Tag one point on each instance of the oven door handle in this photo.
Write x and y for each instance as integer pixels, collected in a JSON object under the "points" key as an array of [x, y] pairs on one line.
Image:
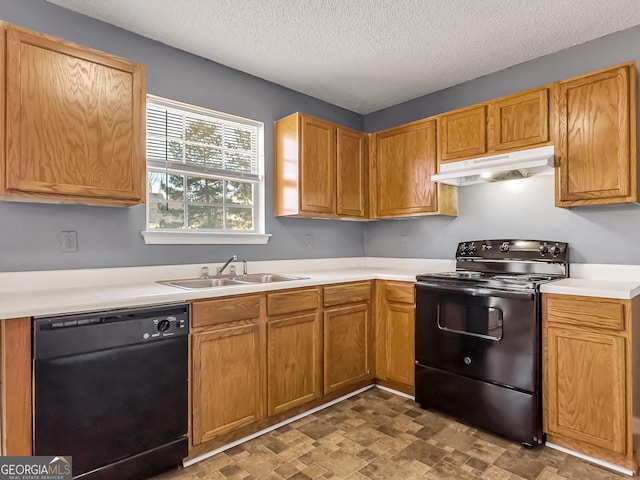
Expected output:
{"points": [[477, 291]]}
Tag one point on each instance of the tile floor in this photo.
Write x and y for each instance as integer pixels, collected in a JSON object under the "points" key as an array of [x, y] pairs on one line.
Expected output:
{"points": [[380, 436]]}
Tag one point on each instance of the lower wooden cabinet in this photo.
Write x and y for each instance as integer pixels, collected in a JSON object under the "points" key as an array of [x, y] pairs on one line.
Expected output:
{"points": [[294, 352], [228, 367], [395, 335], [347, 335], [587, 383]]}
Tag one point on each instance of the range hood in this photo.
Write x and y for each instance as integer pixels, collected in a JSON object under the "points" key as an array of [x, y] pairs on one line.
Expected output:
{"points": [[508, 166]]}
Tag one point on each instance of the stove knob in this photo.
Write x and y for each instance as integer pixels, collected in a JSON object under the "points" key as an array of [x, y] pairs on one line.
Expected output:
{"points": [[473, 248], [555, 250], [543, 249], [163, 325], [464, 249], [504, 247]]}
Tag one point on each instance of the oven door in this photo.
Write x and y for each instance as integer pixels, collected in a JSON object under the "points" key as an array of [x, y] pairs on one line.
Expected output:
{"points": [[483, 333]]}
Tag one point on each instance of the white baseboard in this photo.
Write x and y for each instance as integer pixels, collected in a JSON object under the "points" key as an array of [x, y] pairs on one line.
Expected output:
{"points": [[274, 427], [597, 461], [396, 392]]}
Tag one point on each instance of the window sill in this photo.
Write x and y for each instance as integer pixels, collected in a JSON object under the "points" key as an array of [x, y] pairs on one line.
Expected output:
{"points": [[159, 237]]}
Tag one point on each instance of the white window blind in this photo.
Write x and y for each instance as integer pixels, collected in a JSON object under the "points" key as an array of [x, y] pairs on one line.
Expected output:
{"points": [[205, 170]]}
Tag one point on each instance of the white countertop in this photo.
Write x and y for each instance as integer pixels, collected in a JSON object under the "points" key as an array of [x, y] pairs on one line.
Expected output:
{"points": [[593, 288], [26, 294]]}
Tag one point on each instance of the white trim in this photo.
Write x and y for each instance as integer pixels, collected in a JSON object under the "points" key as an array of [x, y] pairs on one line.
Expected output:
{"points": [[396, 392], [164, 237], [602, 463], [274, 427]]}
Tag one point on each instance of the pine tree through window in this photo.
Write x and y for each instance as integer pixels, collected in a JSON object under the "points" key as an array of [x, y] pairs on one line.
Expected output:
{"points": [[204, 170]]}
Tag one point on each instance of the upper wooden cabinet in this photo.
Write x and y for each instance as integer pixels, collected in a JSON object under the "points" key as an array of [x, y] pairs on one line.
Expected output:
{"points": [[320, 169], [403, 162], [463, 133], [596, 138], [75, 117], [519, 121], [352, 173]]}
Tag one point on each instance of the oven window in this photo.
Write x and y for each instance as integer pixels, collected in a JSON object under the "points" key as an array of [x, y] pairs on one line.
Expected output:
{"points": [[456, 315]]}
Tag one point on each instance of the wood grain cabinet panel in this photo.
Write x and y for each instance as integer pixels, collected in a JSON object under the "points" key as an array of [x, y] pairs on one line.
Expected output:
{"points": [[463, 133], [519, 121], [294, 362], [395, 327], [352, 173], [347, 359], [16, 400], [74, 123], [587, 375], [405, 159], [596, 138], [587, 387], [320, 169], [317, 165], [290, 301], [227, 379]]}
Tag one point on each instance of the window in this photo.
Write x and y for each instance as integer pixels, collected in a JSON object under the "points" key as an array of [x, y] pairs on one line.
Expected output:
{"points": [[205, 180]]}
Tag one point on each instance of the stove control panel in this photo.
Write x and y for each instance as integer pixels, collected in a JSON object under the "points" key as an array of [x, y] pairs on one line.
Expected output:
{"points": [[538, 250]]}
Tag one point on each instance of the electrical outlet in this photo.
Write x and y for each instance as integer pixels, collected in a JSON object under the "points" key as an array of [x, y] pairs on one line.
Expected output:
{"points": [[404, 241], [308, 240], [69, 241]]}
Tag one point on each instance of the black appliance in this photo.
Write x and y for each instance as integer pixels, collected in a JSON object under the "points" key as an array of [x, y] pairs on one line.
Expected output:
{"points": [[478, 331], [110, 390]]}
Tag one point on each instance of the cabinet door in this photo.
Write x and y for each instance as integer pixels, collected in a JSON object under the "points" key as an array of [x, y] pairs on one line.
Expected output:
{"points": [[293, 362], [227, 381], [519, 121], [595, 144], [463, 133], [347, 332], [399, 339], [352, 173], [585, 387], [318, 165], [75, 118], [405, 161]]}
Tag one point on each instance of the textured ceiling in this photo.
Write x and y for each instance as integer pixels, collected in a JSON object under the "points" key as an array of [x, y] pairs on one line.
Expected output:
{"points": [[366, 55]]}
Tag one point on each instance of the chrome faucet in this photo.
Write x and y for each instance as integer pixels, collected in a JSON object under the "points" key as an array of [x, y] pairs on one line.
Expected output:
{"points": [[219, 270], [244, 267], [204, 274]]}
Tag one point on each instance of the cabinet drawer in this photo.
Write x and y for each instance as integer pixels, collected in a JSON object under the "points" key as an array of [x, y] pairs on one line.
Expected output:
{"points": [[223, 310], [399, 292], [587, 312], [347, 293], [292, 301]]}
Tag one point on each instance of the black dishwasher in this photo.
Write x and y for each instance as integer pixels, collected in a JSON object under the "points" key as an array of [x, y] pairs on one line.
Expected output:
{"points": [[110, 390]]}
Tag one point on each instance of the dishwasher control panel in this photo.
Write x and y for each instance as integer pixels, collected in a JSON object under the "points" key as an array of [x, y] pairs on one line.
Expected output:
{"points": [[104, 330]]}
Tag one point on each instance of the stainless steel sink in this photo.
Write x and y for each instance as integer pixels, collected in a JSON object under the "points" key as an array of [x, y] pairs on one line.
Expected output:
{"points": [[267, 278], [252, 278], [196, 283]]}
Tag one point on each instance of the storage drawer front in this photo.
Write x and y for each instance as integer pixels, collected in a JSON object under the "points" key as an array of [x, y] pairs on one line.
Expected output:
{"points": [[223, 310], [347, 293], [585, 312], [399, 292], [292, 301]]}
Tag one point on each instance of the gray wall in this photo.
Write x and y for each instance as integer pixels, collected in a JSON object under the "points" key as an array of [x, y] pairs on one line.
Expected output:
{"points": [[110, 237], [524, 208]]}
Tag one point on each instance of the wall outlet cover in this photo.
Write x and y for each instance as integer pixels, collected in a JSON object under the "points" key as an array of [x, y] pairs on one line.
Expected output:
{"points": [[69, 241]]}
